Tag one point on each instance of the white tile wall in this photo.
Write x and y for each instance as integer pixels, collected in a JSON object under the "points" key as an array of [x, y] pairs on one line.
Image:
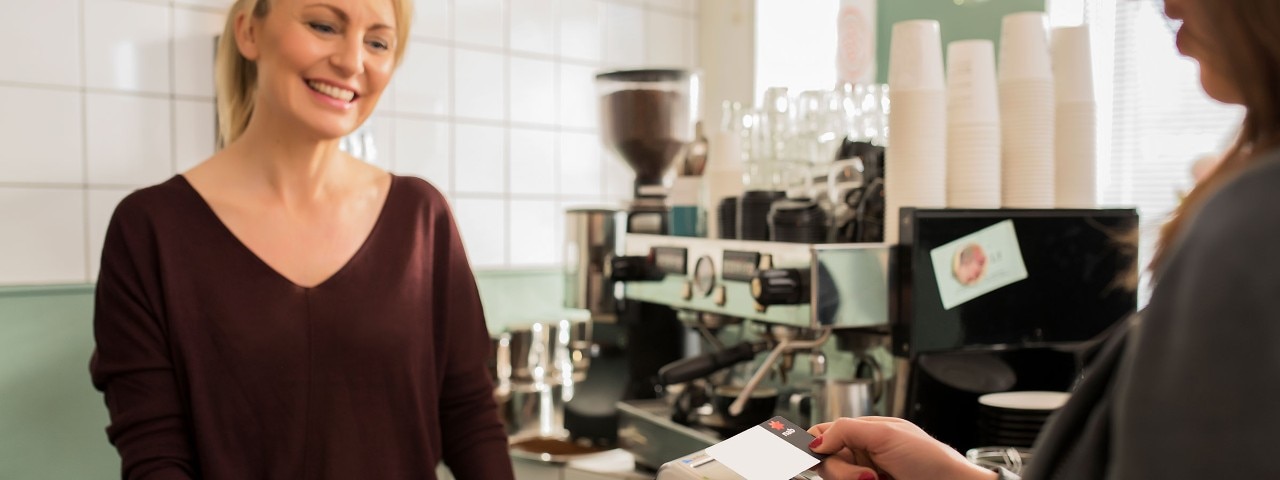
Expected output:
{"points": [[479, 163], [480, 22], [422, 82], [483, 223], [624, 25], [494, 104], [431, 19], [532, 90], [193, 34], [51, 24], [127, 45], [534, 26], [44, 235], [533, 162], [479, 82], [45, 138], [129, 139], [194, 130], [533, 224], [422, 148], [580, 32]]}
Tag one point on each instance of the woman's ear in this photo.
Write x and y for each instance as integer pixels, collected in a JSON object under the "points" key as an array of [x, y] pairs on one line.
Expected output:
{"points": [[247, 36]]}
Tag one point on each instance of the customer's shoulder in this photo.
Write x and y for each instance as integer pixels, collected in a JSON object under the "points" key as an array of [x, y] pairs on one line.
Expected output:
{"points": [[1245, 208]]}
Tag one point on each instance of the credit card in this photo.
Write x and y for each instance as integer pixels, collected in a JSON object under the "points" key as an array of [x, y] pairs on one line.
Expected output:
{"points": [[774, 450]]}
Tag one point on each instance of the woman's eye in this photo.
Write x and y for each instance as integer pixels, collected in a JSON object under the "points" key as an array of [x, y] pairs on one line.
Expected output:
{"points": [[379, 45], [322, 28]]}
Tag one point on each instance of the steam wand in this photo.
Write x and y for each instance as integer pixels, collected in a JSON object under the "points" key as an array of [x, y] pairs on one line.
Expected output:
{"points": [[785, 345]]}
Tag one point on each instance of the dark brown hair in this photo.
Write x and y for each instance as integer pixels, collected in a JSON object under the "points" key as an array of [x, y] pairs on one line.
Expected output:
{"points": [[1244, 38]]}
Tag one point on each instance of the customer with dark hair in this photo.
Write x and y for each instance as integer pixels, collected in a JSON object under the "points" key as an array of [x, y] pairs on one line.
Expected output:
{"points": [[1189, 388]]}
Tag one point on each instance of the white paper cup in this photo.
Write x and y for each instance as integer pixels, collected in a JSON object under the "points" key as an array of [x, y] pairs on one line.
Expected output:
{"points": [[971, 81], [1072, 64], [915, 56], [1024, 47]]}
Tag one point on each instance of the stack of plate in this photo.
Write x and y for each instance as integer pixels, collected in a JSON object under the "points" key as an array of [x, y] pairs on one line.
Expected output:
{"points": [[1014, 419]]}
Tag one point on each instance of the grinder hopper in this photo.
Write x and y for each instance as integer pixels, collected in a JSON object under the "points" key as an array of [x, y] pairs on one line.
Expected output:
{"points": [[647, 117]]}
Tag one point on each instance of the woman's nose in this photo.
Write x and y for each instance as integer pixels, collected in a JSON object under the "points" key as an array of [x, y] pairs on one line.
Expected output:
{"points": [[349, 57]]}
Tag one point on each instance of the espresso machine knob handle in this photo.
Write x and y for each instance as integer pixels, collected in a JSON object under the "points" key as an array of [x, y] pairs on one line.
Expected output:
{"points": [[692, 368], [780, 286], [631, 269]]}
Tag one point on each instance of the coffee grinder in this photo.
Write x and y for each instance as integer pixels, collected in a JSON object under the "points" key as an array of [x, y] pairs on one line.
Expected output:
{"points": [[647, 118]]}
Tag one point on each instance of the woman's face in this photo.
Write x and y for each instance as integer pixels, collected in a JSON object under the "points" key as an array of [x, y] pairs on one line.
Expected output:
{"points": [[322, 64], [1194, 42]]}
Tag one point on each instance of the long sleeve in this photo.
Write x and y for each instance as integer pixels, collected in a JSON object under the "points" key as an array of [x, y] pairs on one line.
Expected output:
{"points": [[475, 443], [131, 364], [1198, 397]]}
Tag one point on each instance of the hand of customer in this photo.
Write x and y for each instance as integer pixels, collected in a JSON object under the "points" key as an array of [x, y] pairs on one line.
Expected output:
{"points": [[862, 446]]}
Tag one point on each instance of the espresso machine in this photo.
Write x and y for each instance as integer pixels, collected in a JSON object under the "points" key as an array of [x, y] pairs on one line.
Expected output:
{"points": [[802, 329]]}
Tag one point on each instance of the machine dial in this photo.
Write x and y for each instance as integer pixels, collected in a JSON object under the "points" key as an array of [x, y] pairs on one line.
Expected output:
{"points": [[780, 286], [704, 276]]}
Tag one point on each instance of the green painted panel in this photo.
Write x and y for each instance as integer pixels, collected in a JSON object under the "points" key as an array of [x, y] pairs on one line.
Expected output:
{"points": [[960, 20], [51, 418]]}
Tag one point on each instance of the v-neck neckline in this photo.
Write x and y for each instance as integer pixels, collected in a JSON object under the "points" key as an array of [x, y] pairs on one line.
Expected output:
{"points": [[347, 265]]}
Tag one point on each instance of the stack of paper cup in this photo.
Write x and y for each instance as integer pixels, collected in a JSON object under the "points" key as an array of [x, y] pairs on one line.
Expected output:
{"points": [[1075, 137], [1026, 112], [973, 126], [916, 160]]}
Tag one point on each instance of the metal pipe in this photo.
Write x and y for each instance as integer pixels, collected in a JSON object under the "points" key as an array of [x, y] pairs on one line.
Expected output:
{"points": [[783, 346]]}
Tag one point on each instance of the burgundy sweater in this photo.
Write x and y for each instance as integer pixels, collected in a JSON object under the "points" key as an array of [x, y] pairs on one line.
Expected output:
{"points": [[214, 366]]}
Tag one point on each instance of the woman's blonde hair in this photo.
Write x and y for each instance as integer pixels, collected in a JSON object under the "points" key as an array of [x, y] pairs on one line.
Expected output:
{"points": [[236, 77]]}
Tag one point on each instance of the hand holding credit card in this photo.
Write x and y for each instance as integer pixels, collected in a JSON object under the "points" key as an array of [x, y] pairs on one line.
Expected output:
{"points": [[774, 450]]}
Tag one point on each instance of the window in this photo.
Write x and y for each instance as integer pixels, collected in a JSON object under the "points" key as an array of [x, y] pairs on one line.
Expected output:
{"points": [[1154, 121]]}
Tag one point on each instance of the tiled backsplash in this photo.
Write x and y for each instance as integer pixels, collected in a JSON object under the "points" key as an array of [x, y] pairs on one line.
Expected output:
{"points": [[494, 104]]}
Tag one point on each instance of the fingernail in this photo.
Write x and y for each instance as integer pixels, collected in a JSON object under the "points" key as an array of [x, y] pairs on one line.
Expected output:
{"points": [[867, 476], [818, 441]]}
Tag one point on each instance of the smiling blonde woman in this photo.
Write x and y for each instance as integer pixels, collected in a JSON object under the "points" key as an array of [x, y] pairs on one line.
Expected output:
{"points": [[283, 310]]}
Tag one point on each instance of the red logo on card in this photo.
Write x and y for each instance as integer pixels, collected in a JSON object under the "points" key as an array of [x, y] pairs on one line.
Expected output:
{"points": [[776, 425]]}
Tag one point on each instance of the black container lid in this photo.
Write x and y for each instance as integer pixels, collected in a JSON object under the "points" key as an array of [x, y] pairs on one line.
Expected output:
{"points": [[645, 75]]}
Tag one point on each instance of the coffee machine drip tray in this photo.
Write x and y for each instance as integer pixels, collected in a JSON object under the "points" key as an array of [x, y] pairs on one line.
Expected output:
{"points": [[794, 284]]}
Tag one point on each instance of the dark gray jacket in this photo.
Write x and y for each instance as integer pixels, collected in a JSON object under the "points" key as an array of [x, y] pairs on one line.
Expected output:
{"points": [[1190, 388]]}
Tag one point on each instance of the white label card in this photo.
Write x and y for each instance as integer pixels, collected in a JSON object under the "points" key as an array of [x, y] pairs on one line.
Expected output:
{"points": [[977, 264]]}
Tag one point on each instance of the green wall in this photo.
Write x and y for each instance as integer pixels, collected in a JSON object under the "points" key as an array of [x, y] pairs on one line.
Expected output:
{"points": [[51, 419], [969, 19]]}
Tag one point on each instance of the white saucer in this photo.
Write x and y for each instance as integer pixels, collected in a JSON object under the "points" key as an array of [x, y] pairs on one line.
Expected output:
{"points": [[1025, 400]]}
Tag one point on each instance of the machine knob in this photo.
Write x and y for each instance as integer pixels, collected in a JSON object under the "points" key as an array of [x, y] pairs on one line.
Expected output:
{"points": [[780, 286], [631, 269]]}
